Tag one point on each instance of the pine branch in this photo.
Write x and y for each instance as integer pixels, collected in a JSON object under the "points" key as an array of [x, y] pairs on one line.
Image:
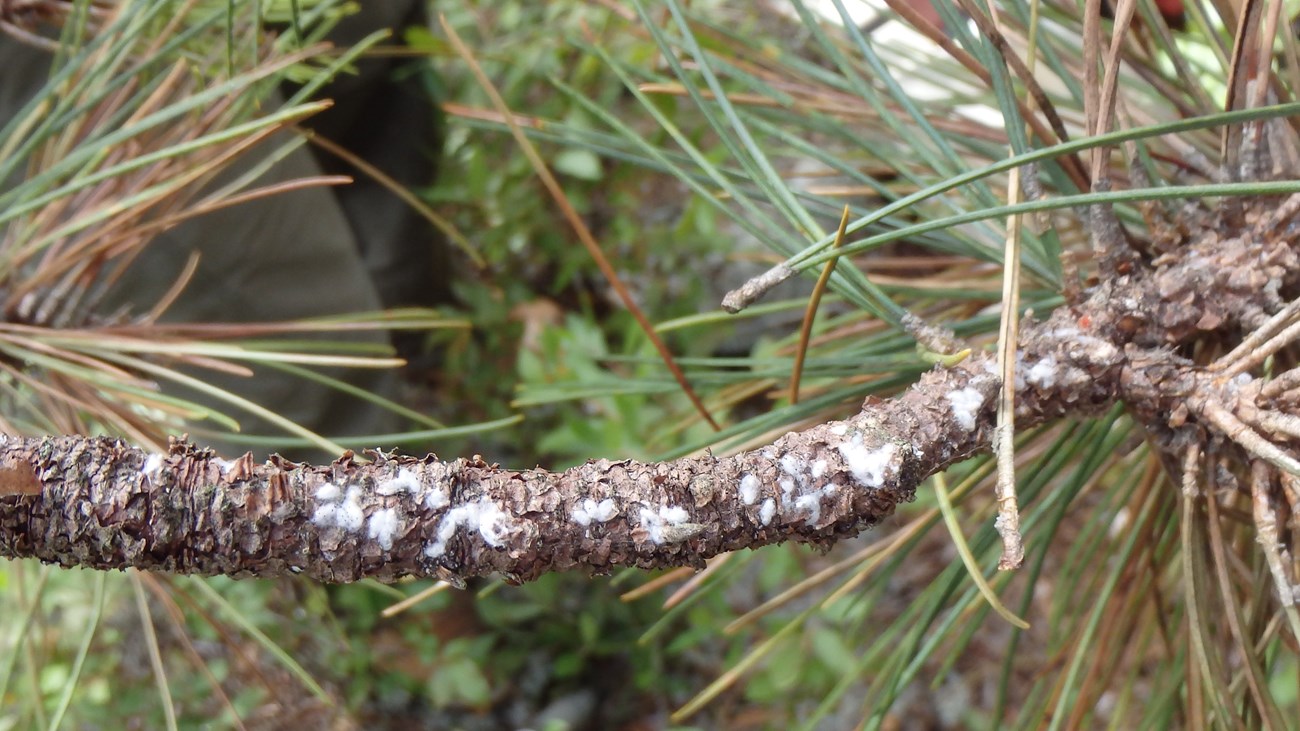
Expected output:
{"points": [[104, 505], [97, 503]]}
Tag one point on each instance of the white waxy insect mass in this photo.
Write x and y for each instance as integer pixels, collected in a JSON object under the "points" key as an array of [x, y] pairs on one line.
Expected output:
{"points": [[591, 511], [384, 525], [868, 466], [152, 468], [350, 516], [966, 404], [337, 511], [660, 524], [328, 493], [484, 516], [404, 481]]}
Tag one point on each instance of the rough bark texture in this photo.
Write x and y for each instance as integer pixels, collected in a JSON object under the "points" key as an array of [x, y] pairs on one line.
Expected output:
{"points": [[100, 504], [104, 505]]}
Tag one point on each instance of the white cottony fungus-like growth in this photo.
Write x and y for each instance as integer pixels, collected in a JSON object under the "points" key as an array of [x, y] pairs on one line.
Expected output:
{"points": [[674, 515], [591, 511], [152, 468], [326, 515], [767, 512], [484, 516], [1097, 348], [1043, 373], [351, 517], [868, 466], [446, 529], [384, 525], [966, 405], [790, 465], [404, 481], [436, 498], [749, 489], [810, 504], [668, 525], [335, 511], [819, 468]]}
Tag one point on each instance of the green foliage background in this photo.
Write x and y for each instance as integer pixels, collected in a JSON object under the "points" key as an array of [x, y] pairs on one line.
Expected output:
{"points": [[696, 139]]}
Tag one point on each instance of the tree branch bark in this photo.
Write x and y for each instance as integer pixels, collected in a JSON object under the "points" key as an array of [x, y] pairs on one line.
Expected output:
{"points": [[100, 504]]}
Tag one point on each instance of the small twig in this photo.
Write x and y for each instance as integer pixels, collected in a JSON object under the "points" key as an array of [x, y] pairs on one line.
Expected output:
{"points": [[1266, 533], [1280, 385], [1232, 616], [1291, 491], [1280, 331], [1109, 244], [1008, 520], [1245, 56], [1191, 471], [749, 292], [935, 339], [1259, 355], [1249, 439], [1280, 216], [1276, 422]]}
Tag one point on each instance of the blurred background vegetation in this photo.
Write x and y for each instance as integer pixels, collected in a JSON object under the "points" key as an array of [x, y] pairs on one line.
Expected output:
{"points": [[688, 194]]}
